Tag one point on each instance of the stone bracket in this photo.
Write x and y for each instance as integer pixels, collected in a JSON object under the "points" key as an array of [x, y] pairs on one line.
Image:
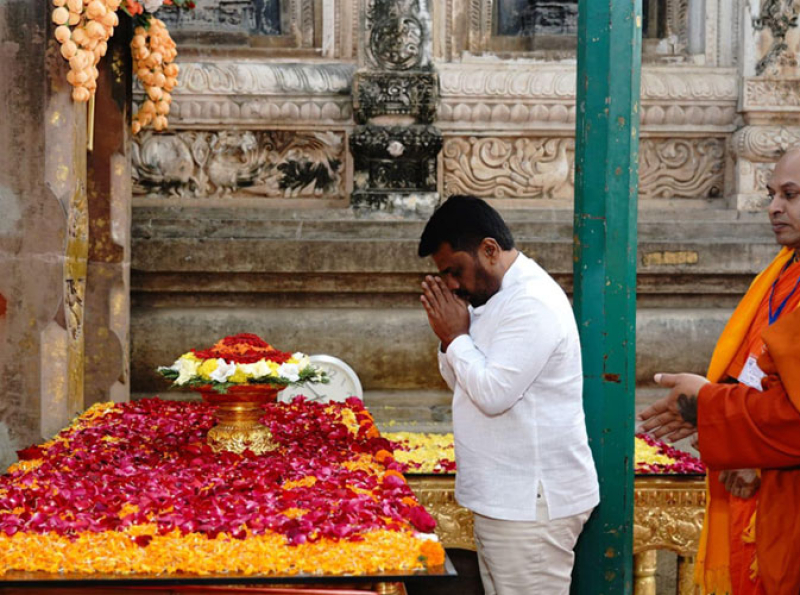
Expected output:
{"points": [[413, 94]]}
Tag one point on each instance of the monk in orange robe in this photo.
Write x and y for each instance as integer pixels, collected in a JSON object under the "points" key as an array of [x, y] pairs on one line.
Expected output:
{"points": [[747, 415]]}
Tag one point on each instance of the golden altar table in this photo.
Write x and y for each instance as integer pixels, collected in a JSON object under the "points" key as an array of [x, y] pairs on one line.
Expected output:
{"points": [[668, 514]]}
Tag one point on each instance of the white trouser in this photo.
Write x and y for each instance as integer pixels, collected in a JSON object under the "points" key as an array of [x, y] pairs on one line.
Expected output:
{"points": [[528, 557]]}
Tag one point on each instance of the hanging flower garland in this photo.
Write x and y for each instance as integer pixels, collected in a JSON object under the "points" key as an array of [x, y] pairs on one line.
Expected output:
{"points": [[83, 28]]}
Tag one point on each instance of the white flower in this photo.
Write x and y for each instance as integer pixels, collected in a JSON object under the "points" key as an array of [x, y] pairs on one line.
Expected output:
{"points": [[289, 371], [301, 359], [224, 370], [426, 536], [152, 5], [187, 369], [260, 369]]}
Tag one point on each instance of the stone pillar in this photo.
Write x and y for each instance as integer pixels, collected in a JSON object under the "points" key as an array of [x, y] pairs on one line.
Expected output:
{"points": [[43, 232], [395, 95], [769, 99], [63, 248], [109, 207]]}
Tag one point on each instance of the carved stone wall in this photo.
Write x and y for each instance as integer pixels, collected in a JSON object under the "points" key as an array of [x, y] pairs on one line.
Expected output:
{"points": [[508, 131], [769, 98], [277, 163]]}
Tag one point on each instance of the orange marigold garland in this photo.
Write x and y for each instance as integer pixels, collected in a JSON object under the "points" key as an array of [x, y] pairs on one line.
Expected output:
{"points": [[154, 54], [83, 28]]}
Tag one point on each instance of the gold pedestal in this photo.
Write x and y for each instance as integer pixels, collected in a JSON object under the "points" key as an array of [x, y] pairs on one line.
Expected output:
{"points": [[238, 412], [667, 514]]}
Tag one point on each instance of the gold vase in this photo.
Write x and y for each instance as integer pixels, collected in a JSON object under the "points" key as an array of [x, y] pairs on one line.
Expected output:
{"points": [[238, 411]]}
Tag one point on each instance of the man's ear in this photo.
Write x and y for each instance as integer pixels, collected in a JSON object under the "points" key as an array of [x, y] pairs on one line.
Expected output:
{"points": [[490, 249]]}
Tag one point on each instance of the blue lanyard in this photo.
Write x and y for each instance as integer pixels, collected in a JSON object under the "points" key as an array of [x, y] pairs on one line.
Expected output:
{"points": [[773, 316]]}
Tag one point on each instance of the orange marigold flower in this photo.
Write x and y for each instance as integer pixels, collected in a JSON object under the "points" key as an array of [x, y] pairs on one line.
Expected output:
{"points": [[433, 553], [382, 455], [306, 482]]}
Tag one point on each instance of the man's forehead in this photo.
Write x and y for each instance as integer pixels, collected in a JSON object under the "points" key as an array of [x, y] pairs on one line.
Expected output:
{"points": [[787, 170]]}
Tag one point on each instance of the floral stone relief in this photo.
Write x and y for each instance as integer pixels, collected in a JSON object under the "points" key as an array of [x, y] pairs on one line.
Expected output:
{"points": [[542, 168], [269, 164]]}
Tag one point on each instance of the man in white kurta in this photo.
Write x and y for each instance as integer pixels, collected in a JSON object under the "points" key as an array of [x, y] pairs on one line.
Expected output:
{"points": [[512, 357]]}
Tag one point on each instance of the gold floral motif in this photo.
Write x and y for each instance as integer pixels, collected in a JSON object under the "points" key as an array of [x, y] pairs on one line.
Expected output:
{"points": [[256, 438]]}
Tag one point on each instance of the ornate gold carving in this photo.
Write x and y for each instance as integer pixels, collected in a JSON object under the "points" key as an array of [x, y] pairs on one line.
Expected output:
{"points": [[238, 428], [668, 514], [681, 168], [453, 523], [241, 436], [503, 167]]}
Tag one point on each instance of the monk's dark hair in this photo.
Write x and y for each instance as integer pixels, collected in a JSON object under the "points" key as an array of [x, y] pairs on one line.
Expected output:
{"points": [[464, 221]]}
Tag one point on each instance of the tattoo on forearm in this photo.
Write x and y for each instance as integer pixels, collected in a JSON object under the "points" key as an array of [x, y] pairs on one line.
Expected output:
{"points": [[687, 407]]}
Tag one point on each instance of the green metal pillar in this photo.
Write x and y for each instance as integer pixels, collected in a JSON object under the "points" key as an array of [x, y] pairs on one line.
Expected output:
{"points": [[606, 179]]}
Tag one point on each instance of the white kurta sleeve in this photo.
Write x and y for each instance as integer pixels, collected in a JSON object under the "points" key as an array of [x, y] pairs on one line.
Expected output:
{"points": [[527, 334], [445, 369]]}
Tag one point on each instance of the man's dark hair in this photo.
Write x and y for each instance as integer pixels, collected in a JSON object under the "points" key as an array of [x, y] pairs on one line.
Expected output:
{"points": [[464, 221]]}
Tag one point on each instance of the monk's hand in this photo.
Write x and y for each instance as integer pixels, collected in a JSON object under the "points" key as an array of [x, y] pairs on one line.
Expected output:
{"points": [[447, 314], [674, 416], [742, 483]]}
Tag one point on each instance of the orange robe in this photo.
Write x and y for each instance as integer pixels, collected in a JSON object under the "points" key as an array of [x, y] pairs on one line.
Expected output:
{"points": [[726, 558], [740, 427]]}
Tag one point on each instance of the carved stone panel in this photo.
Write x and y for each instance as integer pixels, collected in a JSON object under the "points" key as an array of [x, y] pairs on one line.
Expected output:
{"points": [[395, 157], [256, 94], [397, 34], [681, 168], [542, 97], [395, 93], [777, 46], [509, 167], [543, 168], [269, 164]]}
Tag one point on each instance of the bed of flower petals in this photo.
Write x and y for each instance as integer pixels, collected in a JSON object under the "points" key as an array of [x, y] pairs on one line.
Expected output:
{"points": [[423, 453], [133, 488], [434, 453], [657, 457]]}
